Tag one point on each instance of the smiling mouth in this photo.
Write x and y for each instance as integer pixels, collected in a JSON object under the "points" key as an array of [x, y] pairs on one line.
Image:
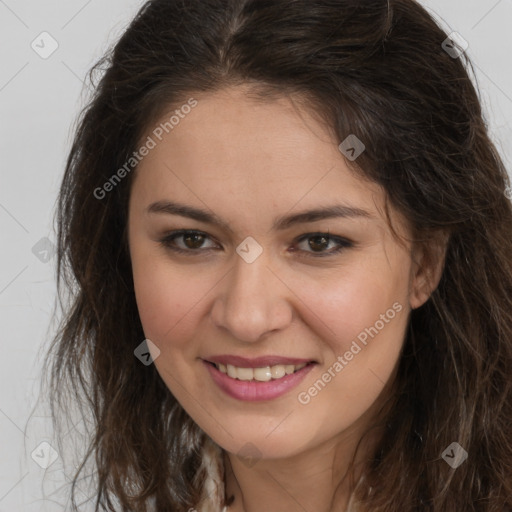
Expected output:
{"points": [[262, 374]]}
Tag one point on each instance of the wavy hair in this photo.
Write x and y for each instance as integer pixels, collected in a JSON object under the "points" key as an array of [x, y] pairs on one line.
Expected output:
{"points": [[376, 69]]}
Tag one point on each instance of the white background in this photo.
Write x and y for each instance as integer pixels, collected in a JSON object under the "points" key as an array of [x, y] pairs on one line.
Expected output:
{"points": [[39, 102]]}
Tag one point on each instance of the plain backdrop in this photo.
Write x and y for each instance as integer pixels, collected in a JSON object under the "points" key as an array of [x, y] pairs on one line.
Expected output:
{"points": [[39, 102]]}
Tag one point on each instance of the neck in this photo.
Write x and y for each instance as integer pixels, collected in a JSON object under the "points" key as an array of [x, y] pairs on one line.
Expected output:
{"points": [[321, 478]]}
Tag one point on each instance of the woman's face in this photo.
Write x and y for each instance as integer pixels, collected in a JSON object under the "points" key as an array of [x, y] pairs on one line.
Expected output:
{"points": [[260, 280]]}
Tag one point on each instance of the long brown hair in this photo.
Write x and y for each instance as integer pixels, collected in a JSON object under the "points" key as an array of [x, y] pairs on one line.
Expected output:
{"points": [[376, 69]]}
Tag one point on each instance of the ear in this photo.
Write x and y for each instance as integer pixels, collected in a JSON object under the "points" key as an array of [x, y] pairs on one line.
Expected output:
{"points": [[428, 258]]}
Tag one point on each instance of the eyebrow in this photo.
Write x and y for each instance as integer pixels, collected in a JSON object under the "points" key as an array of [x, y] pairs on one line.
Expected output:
{"points": [[282, 223]]}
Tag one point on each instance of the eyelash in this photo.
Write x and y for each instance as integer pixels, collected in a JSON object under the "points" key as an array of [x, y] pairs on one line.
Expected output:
{"points": [[170, 237]]}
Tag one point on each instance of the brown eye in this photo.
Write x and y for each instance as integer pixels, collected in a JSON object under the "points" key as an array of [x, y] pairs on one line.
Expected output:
{"points": [[192, 241], [318, 242]]}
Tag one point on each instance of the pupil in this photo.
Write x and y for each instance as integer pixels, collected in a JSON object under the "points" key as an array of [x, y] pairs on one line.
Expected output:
{"points": [[194, 237], [322, 244]]}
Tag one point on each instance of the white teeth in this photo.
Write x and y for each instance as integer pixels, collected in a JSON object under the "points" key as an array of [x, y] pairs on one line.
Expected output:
{"points": [[261, 374], [278, 371]]}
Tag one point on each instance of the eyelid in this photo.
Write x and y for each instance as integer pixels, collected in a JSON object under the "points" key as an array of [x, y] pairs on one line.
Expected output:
{"points": [[169, 237], [343, 243]]}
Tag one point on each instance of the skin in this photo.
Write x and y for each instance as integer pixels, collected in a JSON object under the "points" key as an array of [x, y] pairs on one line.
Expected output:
{"points": [[250, 162]]}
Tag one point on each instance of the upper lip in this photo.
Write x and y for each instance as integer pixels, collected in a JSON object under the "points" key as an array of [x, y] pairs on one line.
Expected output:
{"points": [[257, 362]]}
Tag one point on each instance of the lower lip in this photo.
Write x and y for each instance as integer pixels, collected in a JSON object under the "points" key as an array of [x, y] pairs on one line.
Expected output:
{"points": [[252, 391]]}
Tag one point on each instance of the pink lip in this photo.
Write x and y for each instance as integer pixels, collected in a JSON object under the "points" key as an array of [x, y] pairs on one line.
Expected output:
{"points": [[253, 391], [257, 362]]}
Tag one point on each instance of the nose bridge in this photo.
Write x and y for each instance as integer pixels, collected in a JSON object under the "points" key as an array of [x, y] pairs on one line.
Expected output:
{"points": [[253, 300]]}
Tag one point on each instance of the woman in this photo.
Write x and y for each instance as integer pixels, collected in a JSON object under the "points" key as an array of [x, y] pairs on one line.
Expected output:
{"points": [[291, 243]]}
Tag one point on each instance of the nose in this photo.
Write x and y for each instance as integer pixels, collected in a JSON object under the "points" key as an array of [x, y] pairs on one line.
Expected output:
{"points": [[252, 300]]}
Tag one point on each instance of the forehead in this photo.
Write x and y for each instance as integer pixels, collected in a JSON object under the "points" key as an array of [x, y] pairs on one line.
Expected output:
{"points": [[261, 155]]}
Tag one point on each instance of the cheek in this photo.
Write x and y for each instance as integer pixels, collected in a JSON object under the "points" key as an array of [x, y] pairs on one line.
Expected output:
{"points": [[165, 298], [344, 307], [363, 322]]}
